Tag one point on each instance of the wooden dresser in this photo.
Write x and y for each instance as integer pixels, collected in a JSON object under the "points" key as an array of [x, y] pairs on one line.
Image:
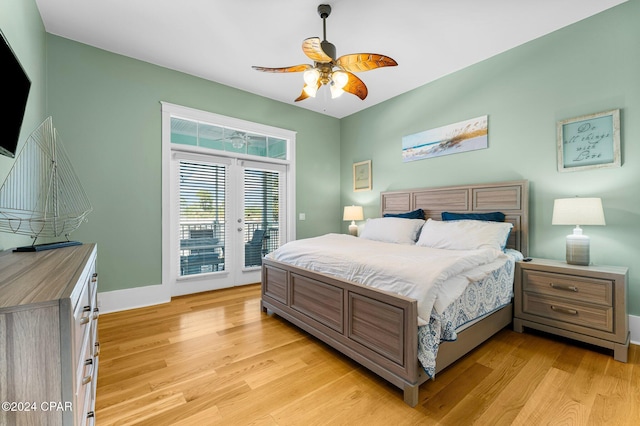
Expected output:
{"points": [[48, 336], [584, 303]]}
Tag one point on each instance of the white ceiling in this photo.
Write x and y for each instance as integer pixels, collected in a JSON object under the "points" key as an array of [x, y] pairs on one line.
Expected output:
{"points": [[219, 40]]}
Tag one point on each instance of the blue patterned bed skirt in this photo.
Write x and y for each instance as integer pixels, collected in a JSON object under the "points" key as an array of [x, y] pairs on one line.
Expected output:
{"points": [[479, 298]]}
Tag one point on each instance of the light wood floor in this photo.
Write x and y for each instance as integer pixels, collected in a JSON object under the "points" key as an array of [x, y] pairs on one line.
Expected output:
{"points": [[215, 358]]}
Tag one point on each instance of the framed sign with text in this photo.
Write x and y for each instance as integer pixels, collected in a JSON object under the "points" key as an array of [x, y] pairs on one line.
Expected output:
{"points": [[589, 142]]}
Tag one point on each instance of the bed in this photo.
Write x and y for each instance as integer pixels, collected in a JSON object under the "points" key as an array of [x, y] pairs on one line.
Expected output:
{"points": [[378, 328]]}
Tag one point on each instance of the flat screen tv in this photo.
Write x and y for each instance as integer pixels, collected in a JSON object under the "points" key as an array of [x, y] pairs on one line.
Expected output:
{"points": [[15, 97]]}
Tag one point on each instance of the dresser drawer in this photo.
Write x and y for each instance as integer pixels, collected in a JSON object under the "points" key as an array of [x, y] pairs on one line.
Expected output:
{"points": [[86, 376], [84, 406], [81, 322], [589, 316], [582, 289]]}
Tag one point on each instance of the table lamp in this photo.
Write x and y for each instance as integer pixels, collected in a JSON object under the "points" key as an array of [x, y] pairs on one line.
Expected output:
{"points": [[353, 213], [578, 211]]}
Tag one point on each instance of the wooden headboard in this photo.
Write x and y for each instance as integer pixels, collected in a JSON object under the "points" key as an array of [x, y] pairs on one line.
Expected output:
{"points": [[510, 198]]}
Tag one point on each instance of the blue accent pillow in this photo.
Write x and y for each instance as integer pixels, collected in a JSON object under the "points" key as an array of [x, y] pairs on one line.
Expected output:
{"points": [[491, 217], [416, 214]]}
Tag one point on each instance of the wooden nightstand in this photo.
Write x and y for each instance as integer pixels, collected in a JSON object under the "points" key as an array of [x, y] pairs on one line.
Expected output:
{"points": [[584, 303]]}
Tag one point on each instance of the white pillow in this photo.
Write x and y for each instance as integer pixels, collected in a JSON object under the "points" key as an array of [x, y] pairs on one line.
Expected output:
{"points": [[392, 230], [464, 234]]}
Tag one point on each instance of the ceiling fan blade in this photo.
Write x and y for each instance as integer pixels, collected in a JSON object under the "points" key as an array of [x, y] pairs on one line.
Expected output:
{"points": [[312, 47], [302, 96], [295, 68], [358, 62], [355, 86]]}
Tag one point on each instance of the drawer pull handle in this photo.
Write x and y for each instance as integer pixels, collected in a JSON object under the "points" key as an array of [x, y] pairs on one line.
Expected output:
{"points": [[94, 278], [87, 379], [85, 319], [564, 287], [96, 351], [96, 313], [564, 310]]}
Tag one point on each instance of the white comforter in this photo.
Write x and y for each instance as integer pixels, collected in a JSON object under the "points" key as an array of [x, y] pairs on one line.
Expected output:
{"points": [[434, 277]]}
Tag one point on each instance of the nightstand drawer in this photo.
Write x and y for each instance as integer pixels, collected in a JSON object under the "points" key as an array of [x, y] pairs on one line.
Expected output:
{"points": [[591, 316], [583, 289]]}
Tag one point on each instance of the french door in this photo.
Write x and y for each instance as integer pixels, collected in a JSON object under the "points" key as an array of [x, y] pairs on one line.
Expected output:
{"points": [[227, 213]]}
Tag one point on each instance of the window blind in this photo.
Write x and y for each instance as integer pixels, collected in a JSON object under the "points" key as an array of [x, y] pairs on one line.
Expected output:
{"points": [[261, 213], [202, 217]]}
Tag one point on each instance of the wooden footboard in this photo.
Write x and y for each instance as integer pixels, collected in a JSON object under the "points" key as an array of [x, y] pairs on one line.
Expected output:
{"points": [[377, 329]]}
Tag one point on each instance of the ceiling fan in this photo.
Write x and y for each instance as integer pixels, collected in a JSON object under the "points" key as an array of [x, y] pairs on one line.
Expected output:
{"points": [[326, 69]]}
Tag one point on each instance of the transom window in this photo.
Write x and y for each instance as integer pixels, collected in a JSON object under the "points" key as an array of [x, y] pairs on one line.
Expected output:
{"points": [[205, 135]]}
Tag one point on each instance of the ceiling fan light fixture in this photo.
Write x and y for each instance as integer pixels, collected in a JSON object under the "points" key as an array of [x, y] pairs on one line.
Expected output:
{"points": [[335, 91], [311, 90], [340, 79], [311, 77]]}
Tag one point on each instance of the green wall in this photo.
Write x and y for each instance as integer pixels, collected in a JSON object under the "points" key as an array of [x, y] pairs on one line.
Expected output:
{"points": [[21, 24], [106, 108], [591, 66]]}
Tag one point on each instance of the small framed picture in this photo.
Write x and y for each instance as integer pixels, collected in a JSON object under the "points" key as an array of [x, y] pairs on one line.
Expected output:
{"points": [[589, 142], [362, 176]]}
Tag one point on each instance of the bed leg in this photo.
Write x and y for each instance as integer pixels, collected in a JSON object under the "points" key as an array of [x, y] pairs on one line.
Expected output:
{"points": [[411, 395]]}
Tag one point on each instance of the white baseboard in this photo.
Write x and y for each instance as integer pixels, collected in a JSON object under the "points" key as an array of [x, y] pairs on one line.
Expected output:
{"points": [[131, 298], [634, 327]]}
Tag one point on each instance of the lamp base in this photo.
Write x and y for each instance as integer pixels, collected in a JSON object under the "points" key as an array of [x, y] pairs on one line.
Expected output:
{"points": [[353, 229], [578, 250]]}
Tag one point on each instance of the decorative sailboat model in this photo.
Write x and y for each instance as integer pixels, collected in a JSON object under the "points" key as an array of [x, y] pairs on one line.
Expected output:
{"points": [[42, 196]]}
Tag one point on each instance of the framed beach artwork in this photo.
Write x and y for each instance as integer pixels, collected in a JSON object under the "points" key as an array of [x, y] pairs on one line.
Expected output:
{"points": [[362, 176], [589, 142], [468, 135]]}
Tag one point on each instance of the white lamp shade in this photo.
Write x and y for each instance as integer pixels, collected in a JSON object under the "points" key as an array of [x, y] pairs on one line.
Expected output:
{"points": [[340, 79], [311, 77], [336, 92], [310, 90], [353, 213], [578, 211]]}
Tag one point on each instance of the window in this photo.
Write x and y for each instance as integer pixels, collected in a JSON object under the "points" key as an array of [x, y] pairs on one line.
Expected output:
{"points": [[219, 138]]}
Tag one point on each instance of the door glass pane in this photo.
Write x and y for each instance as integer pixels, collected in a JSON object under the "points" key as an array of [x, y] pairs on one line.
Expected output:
{"points": [[261, 214], [202, 217]]}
